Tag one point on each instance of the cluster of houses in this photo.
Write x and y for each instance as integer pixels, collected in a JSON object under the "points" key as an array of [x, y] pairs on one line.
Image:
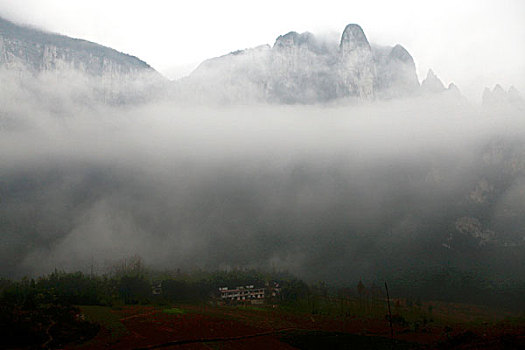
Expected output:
{"points": [[243, 294], [240, 295], [249, 294]]}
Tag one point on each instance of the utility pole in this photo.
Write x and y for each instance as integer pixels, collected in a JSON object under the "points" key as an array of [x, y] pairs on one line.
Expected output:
{"points": [[389, 314]]}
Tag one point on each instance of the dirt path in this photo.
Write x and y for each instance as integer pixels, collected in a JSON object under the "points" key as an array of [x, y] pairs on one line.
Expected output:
{"points": [[140, 315], [50, 337], [213, 340]]}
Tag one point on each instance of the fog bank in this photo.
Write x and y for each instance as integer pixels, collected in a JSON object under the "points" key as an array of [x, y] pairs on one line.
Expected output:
{"points": [[400, 190]]}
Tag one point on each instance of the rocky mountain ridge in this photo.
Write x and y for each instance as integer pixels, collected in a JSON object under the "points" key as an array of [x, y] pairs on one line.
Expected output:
{"points": [[39, 51], [498, 98], [301, 68], [99, 71]]}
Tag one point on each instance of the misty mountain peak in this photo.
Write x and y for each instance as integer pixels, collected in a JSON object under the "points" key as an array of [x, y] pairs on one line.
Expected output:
{"points": [[117, 77], [353, 37], [398, 52], [431, 75], [432, 84], [498, 90], [453, 88], [455, 92], [294, 39], [499, 97], [301, 68], [39, 51]]}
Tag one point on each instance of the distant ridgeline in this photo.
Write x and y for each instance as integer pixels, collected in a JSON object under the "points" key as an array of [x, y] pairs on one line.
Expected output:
{"points": [[32, 53], [303, 69], [298, 69]]}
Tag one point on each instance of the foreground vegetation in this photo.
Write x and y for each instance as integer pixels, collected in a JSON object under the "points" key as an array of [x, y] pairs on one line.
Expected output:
{"points": [[71, 308], [45, 311]]}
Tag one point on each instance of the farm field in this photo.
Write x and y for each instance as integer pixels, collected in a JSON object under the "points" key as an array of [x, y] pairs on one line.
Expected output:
{"points": [[453, 326]]}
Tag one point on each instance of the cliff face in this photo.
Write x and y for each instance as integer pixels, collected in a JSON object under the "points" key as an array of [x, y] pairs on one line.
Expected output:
{"points": [[114, 76], [395, 72], [300, 68], [40, 51], [499, 99], [357, 70]]}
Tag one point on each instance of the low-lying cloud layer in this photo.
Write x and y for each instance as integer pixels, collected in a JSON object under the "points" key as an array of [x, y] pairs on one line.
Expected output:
{"points": [[397, 190]]}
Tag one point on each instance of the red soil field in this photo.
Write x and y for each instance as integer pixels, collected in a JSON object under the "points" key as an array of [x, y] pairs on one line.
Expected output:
{"points": [[213, 327]]}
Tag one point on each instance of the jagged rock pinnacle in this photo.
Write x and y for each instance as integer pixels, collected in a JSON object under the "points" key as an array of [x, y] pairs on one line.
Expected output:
{"points": [[432, 84], [300, 68], [353, 37], [294, 39], [400, 53]]}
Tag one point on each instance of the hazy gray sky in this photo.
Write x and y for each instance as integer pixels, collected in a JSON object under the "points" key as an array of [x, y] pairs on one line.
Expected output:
{"points": [[471, 43]]}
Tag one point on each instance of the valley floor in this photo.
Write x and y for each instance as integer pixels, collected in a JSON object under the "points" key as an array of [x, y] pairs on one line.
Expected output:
{"points": [[221, 327]]}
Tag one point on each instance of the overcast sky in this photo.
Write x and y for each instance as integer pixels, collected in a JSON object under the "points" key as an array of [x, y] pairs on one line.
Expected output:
{"points": [[472, 43]]}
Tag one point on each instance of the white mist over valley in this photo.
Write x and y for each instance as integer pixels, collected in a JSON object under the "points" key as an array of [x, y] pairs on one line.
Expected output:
{"points": [[324, 156]]}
